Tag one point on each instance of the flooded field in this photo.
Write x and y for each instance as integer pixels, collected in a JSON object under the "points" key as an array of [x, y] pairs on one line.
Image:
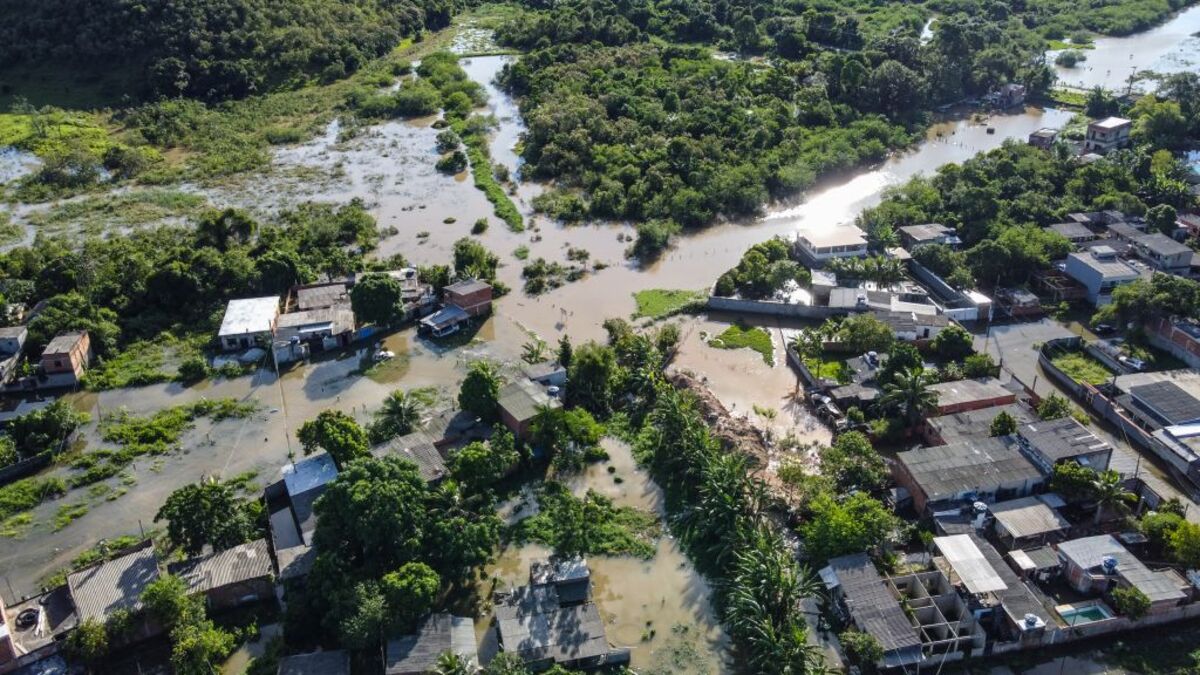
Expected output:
{"points": [[1173, 47], [657, 608]]}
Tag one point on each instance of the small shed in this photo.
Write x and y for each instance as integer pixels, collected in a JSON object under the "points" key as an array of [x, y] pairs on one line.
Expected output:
{"points": [[1028, 521]]}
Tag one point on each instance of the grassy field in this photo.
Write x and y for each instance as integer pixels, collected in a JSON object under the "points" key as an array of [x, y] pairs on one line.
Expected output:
{"points": [[1082, 368], [659, 302], [737, 337], [830, 367]]}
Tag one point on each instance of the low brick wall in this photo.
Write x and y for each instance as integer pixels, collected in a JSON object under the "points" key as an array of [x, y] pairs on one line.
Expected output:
{"points": [[769, 308]]}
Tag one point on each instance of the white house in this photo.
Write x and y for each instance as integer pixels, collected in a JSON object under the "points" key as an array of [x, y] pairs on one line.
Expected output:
{"points": [[821, 244], [247, 322]]}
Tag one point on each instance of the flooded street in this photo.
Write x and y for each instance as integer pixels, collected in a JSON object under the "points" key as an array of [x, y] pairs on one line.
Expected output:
{"points": [[659, 608], [1173, 47]]}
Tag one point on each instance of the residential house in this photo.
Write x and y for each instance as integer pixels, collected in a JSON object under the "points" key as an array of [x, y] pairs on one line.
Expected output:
{"points": [[335, 662], [322, 295], [1028, 522], [1164, 253], [546, 373], [292, 520], [970, 423], [298, 334], [65, 360], [916, 236], [248, 322], [1166, 407], [1043, 138], [1019, 303], [33, 630], [1100, 564], [1009, 95], [418, 449], [1110, 133], [108, 586], [1181, 337], [976, 469], [866, 599], [471, 296], [520, 402], [1100, 271], [553, 621], [237, 576], [972, 394], [438, 634], [818, 245], [1051, 442], [1125, 232], [1076, 233], [911, 326], [12, 339], [991, 591]]}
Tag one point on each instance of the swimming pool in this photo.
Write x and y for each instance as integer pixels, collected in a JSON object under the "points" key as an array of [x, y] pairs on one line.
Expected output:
{"points": [[1076, 615]]}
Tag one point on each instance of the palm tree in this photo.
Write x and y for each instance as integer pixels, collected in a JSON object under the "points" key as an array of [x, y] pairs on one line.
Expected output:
{"points": [[1110, 493], [533, 351], [399, 414], [909, 393], [450, 663]]}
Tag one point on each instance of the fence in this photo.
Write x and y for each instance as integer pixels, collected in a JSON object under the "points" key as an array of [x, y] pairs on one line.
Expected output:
{"points": [[25, 467], [770, 308]]}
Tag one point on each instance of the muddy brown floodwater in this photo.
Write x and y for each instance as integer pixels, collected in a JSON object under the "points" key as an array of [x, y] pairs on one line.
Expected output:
{"points": [[658, 608]]}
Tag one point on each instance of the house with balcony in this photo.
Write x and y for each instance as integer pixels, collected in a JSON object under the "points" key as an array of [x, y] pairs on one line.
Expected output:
{"points": [[1110, 133], [1100, 271]]}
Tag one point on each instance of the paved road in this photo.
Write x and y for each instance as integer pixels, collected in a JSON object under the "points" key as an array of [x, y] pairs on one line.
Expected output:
{"points": [[1015, 347]]}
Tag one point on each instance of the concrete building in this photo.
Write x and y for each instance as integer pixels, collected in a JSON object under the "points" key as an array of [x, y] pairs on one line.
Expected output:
{"points": [[1051, 442], [913, 326], [1180, 337], [1100, 564], [1163, 253], [471, 296], [1110, 133], [248, 322], [298, 334], [973, 394], [978, 469], [520, 402], [553, 621], [292, 520], [1076, 233], [1043, 138], [1100, 271], [818, 245], [237, 576], [65, 360], [12, 339], [916, 236]]}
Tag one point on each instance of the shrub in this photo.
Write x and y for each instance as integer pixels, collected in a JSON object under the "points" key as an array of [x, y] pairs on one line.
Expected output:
{"points": [[480, 226], [455, 162], [1131, 602]]}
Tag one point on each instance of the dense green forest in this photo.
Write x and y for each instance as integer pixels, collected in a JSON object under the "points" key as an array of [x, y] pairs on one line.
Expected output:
{"points": [[631, 123], [214, 49]]}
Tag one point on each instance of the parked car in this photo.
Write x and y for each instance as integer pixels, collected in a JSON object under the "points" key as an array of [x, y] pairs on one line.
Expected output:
{"points": [[1132, 363], [1103, 328]]}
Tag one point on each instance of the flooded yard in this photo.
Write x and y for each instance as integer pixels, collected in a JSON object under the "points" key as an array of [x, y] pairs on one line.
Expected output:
{"points": [[658, 608]]}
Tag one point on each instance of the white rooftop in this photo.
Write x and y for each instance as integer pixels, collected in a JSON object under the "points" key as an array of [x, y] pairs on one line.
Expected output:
{"points": [[841, 235], [969, 564], [249, 315], [1111, 123], [309, 473]]}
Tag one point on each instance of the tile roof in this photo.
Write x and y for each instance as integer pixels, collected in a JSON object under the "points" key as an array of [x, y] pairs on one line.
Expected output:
{"points": [[241, 563], [418, 653], [114, 584], [872, 605]]}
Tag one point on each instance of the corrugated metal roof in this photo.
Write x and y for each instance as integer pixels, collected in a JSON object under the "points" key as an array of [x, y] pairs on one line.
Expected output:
{"points": [[564, 634], [872, 605], [115, 584], [968, 465], [243, 562], [439, 633], [1028, 517], [62, 344], [335, 662], [522, 399], [1089, 552], [417, 450], [969, 564]]}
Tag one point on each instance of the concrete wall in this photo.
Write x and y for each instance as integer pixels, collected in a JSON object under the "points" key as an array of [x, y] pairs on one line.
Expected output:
{"points": [[770, 308]]}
